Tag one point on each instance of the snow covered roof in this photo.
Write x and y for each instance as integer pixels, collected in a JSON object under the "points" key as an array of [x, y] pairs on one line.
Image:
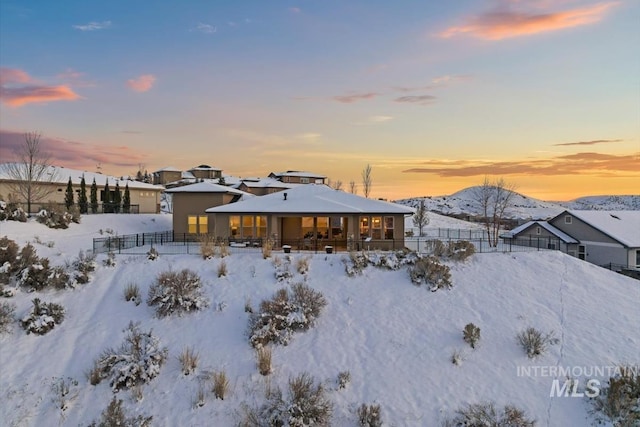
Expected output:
{"points": [[62, 175], [267, 183], [205, 168], [550, 228], [207, 187], [623, 226], [168, 169], [312, 199], [301, 174]]}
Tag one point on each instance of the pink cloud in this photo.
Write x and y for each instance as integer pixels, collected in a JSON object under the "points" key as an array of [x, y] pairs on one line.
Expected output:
{"points": [[17, 88], [143, 83], [505, 23], [350, 99]]}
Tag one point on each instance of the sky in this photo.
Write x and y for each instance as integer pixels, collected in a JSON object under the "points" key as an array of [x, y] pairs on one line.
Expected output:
{"points": [[435, 96]]}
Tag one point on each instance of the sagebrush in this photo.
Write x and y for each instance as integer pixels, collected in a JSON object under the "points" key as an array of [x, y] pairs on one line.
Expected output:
{"points": [[370, 415], [114, 415], [486, 414], [177, 293], [534, 342], [43, 317], [618, 402], [431, 271], [471, 334]]}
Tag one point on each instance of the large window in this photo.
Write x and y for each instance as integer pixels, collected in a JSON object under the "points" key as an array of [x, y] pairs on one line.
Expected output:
{"points": [[197, 224], [322, 225], [247, 226], [337, 227], [261, 226], [388, 227], [364, 226], [307, 227], [234, 225], [376, 227]]}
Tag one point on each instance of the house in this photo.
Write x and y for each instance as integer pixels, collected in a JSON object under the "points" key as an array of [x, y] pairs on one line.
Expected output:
{"points": [[262, 186], [145, 198], [166, 175], [189, 203], [298, 177], [606, 238], [206, 172], [311, 216], [541, 235]]}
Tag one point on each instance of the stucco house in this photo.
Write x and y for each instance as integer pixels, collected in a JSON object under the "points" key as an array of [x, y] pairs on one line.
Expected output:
{"points": [[145, 198], [541, 235], [298, 177], [263, 186], [189, 203], [311, 216], [606, 238]]}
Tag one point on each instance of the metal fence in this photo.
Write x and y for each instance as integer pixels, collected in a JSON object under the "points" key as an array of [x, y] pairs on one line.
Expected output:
{"points": [[99, 208], [426, 245]]}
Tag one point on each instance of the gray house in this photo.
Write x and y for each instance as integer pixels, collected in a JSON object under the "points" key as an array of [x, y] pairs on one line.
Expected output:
{"points": [[541, 235]]}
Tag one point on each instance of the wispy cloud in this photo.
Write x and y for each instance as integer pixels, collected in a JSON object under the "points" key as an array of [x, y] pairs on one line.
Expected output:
{"points": [[504, 22], [205, 28], [594, 142], [571, 164], [93, 26], [295, 10], [73, 154], [416, 99], [143, 83], [355, 97], [310, 136], [17, 88], [380, 119]]}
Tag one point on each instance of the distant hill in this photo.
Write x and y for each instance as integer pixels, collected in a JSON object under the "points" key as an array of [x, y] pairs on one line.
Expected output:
{"points": [[464, 203]]}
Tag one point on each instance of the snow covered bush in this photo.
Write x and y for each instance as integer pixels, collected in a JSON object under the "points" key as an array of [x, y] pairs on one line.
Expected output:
{"points": [[8, 259], [619, 401], [283, 268], [56, 216], [355, 263], [535, 343], [486, 414], [207, 246], [222, 269], [264, 360], [471, 334], [6, 316], [132, 293], [36, 276], [43, 317], [302, 265], [137, 361], [64, 391], [84, 264], [58, 278], [115, 416], [344, 378], [11, 211], [110, 261], [285, 313], [153, 254], [429, 270], [306, 404], [370, 415], [460, 250], [177, 292]]}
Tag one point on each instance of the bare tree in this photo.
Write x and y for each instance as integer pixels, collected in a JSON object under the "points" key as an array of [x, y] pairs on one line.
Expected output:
{"points": [[494, 199], [353, 187], [31, 174], [336, 185], [367, 181], [420, 217]]}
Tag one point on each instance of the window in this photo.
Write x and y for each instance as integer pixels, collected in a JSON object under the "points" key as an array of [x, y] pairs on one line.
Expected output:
{"points": [[307, 227], [567, 219], [638, 259], [322, 226], [582, 251], [261, 226], [234, 225], [247, 226], [197, 224], [388, 227], [364, 226], [538, 230], [336, 227], [304, 180], [376, 232]]}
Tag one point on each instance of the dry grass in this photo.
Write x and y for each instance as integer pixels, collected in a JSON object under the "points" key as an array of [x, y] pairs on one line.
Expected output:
{"points": [[223, 250], [264, 360], [370, 415], [267, 248], [188, 359], [302, 265], [207, 246], [132, 293], [220, 385], [535, 343], [222, 269]]}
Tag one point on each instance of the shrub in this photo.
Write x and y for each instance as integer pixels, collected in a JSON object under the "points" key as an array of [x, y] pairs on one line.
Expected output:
{"points": [[137, 361], [43, 317], [59, 278], [55, 216], [534, 342], [220, 385], [7, 311], [177, 293], [110, 261], [344, 378], [223, 249], [370, 415], [267, 248], [84, 264], [201, 397], [619, 401], [36, 276], [460, 250], [471, 334], [27, 257], [132, 293], [486, 414], [8, 251], [429, 270], [188, 359], [457, 357], [207, 246], [439, 248], [285, 313], [64, 391], [356, 263], [264, 360], [222, 269], [153, 254], [115, 416], [302, 265]]}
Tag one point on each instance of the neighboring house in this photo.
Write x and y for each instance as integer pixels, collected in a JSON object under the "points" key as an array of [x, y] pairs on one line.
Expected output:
{"points": [[263, 186], [309, 216], [206, 172], [166, 175], [606, 238], [145, 198], [189, 203], [298, 177], [541, 235]]}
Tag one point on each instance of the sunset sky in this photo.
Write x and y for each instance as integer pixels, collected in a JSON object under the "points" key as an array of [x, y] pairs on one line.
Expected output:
{"points": [[435, 95]]}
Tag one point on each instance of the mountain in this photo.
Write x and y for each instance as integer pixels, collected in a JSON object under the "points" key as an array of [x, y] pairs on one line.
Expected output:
{"points": [[464, 203]]}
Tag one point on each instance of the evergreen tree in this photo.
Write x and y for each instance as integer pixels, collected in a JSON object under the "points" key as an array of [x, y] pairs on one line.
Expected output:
{"points": [[68, 196], [126, 200], [82, 198], [117, 199], [222, 181], [94, 197], [106, 200]]}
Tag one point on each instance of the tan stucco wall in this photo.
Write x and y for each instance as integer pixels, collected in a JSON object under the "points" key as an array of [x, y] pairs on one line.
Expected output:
{"points": [[185, 204]]}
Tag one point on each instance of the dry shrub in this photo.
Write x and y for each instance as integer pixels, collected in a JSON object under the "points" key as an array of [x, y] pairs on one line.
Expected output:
{"points": [[302, 265], [429, 270], [486, 414], [153, 254], [535, 343], [7, 311], [460, 250], [439, 248], [8, 251], [55, 216], [267, 248], [220, 384], [619, 401], [370, 415], [188, 359], [43, 317], [223, 249], [222, 269], [132, 293], [84, 264], [207, 246], [115, 416], [177, 292], [471, 334], [264, 360], [344, 378], [457, 356]]}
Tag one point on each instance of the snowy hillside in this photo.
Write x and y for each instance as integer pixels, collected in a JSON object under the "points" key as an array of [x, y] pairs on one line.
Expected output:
{"points": [[395, 339], [464, 202]]}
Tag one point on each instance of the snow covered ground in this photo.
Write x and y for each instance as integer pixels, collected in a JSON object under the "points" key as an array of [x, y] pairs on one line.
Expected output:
{"points": [[394, 338]]}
